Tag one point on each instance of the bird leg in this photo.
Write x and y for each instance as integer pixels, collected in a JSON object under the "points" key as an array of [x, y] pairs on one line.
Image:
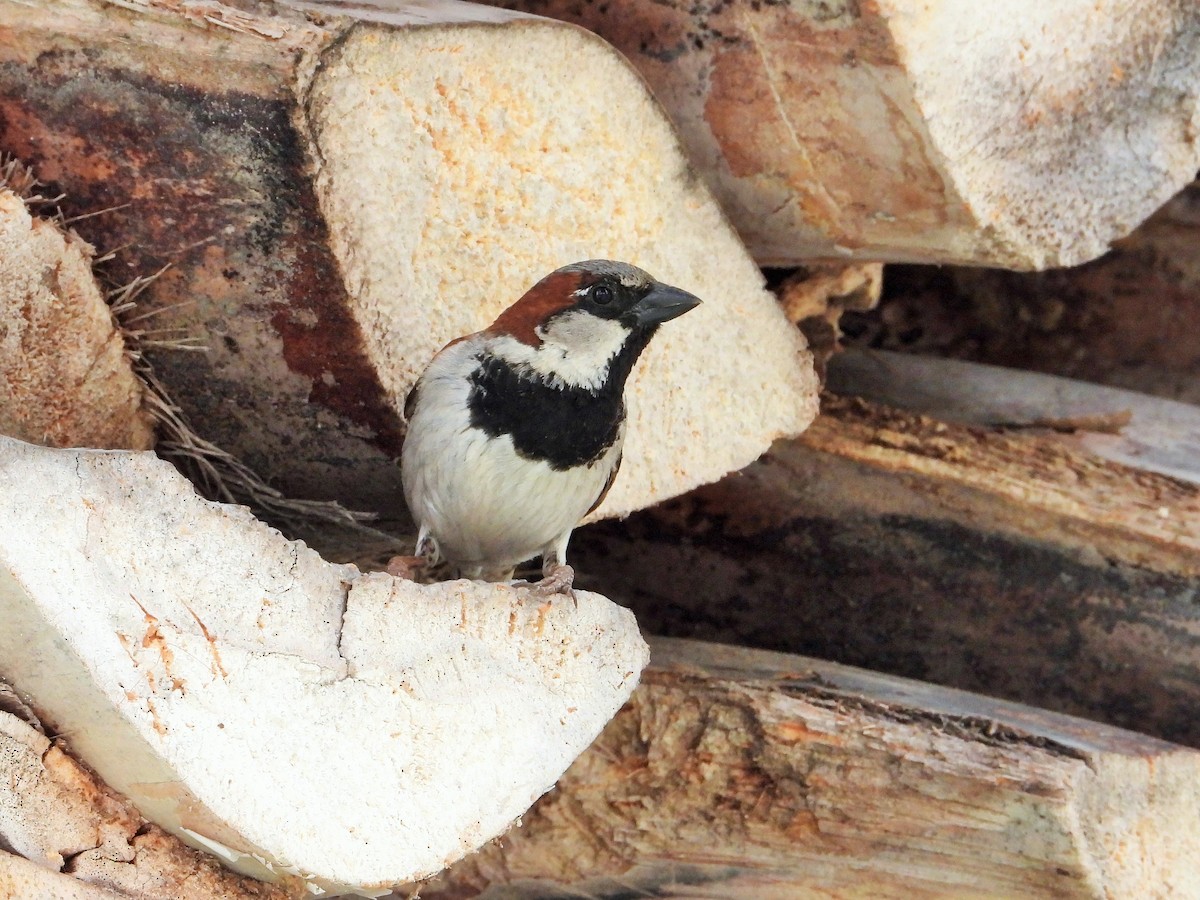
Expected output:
{"points": [[557, 576]]}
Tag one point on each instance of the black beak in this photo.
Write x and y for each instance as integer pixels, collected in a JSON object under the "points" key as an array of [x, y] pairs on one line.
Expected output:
{"points": [[662, 304]]}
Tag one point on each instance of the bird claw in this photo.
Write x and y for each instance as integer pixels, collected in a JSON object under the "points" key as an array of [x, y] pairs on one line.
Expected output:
{"points": [[557, 579]]}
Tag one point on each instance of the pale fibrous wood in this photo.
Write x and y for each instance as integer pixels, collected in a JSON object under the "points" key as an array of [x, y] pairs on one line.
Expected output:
{"points": [[1025, 135], [65, 377], [743, 774], [341, 189], [295, 718], [1096, 468]]}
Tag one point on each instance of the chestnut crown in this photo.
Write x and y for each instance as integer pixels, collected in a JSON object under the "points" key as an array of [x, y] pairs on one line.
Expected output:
{"points": [[604, 288]]}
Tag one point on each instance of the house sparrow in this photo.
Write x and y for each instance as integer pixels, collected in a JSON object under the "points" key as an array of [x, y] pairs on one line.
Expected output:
{"points": [[515, 432]]}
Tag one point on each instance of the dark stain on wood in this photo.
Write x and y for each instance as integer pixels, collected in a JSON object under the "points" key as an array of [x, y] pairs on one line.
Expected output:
{"points": [[911, 596], [218, 186]]}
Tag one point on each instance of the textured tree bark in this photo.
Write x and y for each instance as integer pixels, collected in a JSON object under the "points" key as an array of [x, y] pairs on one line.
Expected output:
{"points": [[20, 878], [55, 813], [1025, 136], [1138, 430], [341, 190], [743, 774], [180, 122], [1007, 562]]}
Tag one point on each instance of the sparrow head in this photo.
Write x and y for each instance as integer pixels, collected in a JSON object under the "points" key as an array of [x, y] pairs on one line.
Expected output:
{"points": [[586, 322]]}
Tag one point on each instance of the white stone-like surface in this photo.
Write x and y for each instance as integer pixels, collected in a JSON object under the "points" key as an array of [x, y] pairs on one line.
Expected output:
{"points": [[288, 714]]}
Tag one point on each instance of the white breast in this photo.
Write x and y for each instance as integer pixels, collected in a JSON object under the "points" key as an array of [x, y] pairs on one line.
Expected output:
{"points": [[486, 507]]}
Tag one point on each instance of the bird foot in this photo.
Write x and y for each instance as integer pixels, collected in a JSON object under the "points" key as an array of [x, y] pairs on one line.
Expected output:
{"points": [[557, 579]]}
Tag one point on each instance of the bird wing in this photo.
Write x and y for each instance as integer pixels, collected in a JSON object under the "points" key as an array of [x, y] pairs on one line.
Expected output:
{"points": [[612, 476], [410, 402]]}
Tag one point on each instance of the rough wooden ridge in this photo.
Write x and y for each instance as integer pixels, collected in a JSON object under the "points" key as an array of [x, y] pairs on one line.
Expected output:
{"points": [[743, 774], [56, 814]]}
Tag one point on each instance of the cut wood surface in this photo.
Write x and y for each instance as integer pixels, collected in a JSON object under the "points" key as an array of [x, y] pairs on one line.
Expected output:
{"points": [[65, 377], [1007, 562], [56, 814], [341, 189], [287, 714], [742, 774], [1026, 135]]}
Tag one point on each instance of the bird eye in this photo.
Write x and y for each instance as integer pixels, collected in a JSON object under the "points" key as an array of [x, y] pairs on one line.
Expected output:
{"points": [[602, 294]]}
